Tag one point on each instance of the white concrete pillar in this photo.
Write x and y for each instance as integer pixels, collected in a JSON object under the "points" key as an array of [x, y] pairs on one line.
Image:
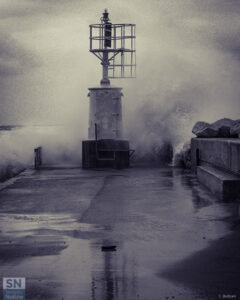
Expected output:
{"points": [[106, 112]]}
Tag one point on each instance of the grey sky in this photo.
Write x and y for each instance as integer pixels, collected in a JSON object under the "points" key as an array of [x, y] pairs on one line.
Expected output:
{"points": [[187, 51]]}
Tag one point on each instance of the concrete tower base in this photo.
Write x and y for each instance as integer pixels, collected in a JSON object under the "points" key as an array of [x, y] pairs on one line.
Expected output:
{"points": [[105, 147], [105, 153]]}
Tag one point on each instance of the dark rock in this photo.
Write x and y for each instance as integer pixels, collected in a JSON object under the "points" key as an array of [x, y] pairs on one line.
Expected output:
{"points": [[223, 126], [200, 125], [223, 122], [235, 128], [224, 131], [203, 129]]}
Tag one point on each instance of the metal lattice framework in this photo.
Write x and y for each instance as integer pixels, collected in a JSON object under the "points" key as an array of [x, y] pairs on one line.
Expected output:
{"points": [[114, 45]]}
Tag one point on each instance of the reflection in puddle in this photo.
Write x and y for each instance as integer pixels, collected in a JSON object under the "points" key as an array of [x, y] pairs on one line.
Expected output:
{"points": [[113, 275]]}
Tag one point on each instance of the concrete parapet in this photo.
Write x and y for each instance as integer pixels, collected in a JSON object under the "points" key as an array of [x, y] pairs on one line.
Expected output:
{"points": [[216, 162], [220, 152]]}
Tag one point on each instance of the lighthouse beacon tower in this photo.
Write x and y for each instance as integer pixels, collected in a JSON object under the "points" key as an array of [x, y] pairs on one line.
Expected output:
{"points": [[114, 45]]}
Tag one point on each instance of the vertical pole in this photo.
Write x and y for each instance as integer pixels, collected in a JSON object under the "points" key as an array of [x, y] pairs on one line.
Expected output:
{"points": [[131, 48], [100, 42], [102, 36], [96, 133], [105, 62], [37, 157], [114, 46], [96, 144], [114, 38], [90, 37], [134, 46], [122, 53]]}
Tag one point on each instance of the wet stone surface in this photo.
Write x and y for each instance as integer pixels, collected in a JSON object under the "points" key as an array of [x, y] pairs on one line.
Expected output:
{"points": [[54, 223]]}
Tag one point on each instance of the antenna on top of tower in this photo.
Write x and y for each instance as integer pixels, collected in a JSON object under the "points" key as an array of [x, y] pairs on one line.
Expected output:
{"points": [[114, 45]]}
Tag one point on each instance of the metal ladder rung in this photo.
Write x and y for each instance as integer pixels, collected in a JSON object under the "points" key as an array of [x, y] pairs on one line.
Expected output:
{"points": [[112, 159]]}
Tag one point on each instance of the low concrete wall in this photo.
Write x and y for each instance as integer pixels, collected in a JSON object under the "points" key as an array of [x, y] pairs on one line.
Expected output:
{"points": [[216, 162], [219, 152]]}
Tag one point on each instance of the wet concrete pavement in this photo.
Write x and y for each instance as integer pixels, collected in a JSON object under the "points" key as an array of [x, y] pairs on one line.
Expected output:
{"points": [[54, 221]]}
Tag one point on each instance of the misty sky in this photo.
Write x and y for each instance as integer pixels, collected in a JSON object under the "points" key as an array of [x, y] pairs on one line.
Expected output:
{"points": [[188, 53]]}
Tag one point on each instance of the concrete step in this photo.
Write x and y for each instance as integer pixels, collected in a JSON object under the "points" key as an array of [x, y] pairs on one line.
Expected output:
{"points": [[222, 184]]}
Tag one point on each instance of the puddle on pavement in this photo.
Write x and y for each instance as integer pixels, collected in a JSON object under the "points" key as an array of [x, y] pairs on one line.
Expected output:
{"points": [[154, 217]]}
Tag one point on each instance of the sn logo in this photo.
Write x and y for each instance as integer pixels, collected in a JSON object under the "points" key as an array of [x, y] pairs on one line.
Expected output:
{"points": [[14, 283]]}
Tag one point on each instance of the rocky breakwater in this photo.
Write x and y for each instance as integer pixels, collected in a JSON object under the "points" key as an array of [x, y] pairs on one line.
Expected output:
{"points": [[223, 128]]}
